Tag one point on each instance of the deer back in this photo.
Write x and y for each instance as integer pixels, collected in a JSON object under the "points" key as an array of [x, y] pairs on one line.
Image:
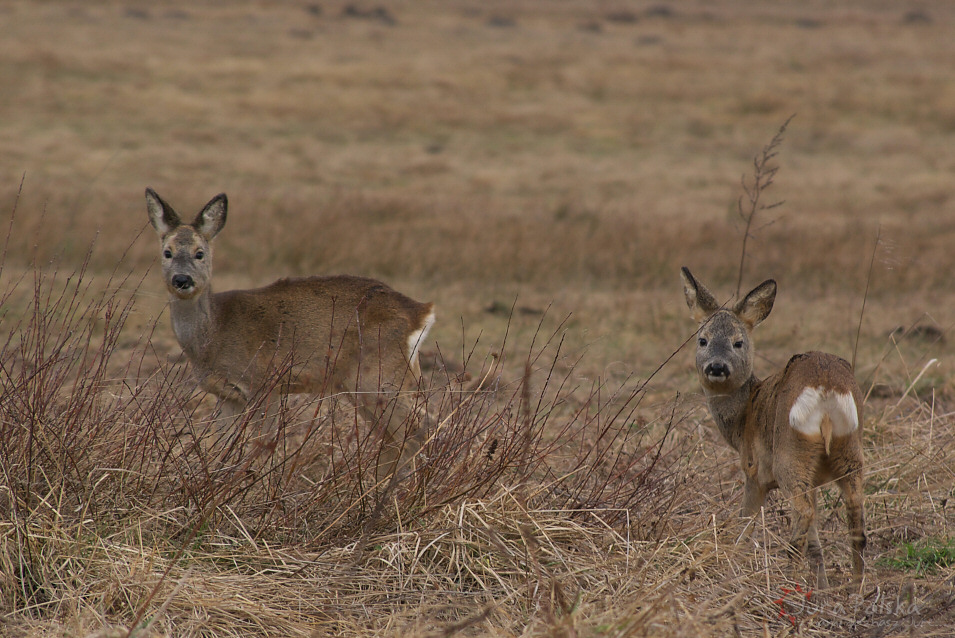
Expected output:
{"points": [[320, 326]]}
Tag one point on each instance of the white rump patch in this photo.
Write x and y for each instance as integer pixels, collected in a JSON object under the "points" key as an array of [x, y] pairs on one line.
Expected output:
{"points": [[416, 338], [815, 403]]}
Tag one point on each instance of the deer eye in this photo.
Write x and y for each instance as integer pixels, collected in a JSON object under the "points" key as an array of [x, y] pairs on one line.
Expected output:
{"points": [[738, 344], [167, 254], [702, 342], [200, 255]]}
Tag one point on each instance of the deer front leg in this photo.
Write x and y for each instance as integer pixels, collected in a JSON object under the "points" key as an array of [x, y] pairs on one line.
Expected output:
{"points": [[754, 495], [233, 397]]}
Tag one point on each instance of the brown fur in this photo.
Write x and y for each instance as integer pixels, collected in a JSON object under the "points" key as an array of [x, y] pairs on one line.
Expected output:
{"points": [[321, 334], [754, 418]]}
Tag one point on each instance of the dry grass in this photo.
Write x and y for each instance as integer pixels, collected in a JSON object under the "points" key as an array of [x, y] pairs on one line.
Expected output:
{"points": [[555, 509], [540, 170]]}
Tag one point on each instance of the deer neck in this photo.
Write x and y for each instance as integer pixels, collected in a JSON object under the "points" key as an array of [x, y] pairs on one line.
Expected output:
{"points": [[193, 321], [730, 411]]}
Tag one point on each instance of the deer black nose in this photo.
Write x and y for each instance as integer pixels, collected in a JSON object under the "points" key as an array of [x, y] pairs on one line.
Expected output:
{"points": [[716, 370], [182, 281]]}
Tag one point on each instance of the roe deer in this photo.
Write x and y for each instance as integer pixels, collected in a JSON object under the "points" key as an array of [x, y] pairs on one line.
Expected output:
{"points": [[794, 430], [321, 334]]}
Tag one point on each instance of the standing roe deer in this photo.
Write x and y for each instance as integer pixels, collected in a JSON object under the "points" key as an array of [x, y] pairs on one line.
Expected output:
{"points": [[795, 430], [321, 334]]}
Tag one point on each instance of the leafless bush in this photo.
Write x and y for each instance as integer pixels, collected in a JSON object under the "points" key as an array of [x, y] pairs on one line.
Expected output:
{"points": [[105, 444]]}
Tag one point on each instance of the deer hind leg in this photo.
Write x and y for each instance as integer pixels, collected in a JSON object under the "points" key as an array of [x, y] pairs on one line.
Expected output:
{"points": [[852, 492], [814, 551], [402, 426], [805, 536], [390, 405]]}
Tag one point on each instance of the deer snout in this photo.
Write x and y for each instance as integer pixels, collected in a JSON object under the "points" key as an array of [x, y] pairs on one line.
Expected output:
{"points": [[716, 371], [182, 282]]}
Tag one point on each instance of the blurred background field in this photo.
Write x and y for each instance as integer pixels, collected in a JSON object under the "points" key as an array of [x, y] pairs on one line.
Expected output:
{"points": [[540, 169]]}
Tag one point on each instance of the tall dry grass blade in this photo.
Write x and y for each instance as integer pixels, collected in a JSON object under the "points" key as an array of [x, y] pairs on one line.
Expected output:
{"points": [[763, 176], [13, 216], [865, 296]]}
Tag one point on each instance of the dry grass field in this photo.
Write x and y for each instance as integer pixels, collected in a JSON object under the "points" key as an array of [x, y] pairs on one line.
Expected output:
{"points": [[540, 169]]}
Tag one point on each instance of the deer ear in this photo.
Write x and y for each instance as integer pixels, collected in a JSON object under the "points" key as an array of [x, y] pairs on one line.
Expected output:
{"points": [[211, 219], [161, 215], [757, 305], [701, 301]]}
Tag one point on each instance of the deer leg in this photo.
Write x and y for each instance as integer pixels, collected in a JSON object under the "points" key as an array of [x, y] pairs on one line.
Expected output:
{"points": [[400, 424], [852, 492], [268, 413], [815, 552], [405, 422], [754, 495], [805, 536], [229, 410], [404, 428], [233, 397], [384, 386]]}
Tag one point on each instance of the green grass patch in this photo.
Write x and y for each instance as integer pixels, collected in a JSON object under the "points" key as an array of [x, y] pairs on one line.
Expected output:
{"points": [[924, 557]]}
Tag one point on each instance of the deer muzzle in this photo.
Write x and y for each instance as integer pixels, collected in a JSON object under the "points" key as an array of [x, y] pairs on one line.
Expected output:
{"points": [[716, 371], [182, 282]]}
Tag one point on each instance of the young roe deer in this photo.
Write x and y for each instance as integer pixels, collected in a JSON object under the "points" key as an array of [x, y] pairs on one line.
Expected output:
{"points": [[795, 430], [318, 334]]}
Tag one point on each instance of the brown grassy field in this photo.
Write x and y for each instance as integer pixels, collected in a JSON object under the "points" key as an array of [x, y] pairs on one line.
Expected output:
{"points": [[540, 169]]}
